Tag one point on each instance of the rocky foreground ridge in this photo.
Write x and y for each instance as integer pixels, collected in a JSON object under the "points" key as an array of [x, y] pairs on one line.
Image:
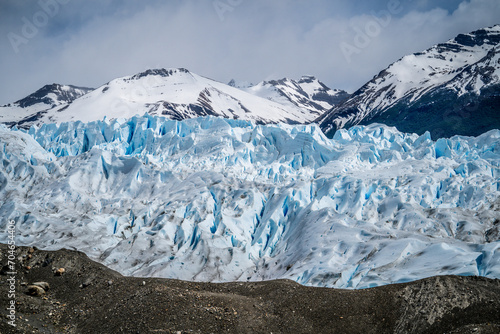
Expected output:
{"points": [[77, 295]]}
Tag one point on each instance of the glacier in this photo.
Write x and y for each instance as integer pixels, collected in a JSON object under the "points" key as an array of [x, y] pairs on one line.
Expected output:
{"points": [[212, 199]]}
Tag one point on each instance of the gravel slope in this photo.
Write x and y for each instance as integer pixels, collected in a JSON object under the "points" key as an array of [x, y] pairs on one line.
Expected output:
{"points": [[90, 298]]}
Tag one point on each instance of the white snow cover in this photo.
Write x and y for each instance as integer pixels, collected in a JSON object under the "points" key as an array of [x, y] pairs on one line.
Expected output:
{"points": [[157, 92], [415, 74], [14, 112], [293, 93], [212, 199], [454, 65]]}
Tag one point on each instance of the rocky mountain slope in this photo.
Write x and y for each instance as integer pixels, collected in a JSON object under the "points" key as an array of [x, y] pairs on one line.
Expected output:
{"points": [[45, 103], [176, 94], [307, 93], [451, 88]]}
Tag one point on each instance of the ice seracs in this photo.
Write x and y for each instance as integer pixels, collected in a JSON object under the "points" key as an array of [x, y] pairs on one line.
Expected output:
{"points": [[214, 199]]}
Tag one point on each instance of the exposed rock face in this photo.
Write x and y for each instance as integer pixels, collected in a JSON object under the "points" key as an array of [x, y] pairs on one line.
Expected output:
{"points": [[53, 94]]}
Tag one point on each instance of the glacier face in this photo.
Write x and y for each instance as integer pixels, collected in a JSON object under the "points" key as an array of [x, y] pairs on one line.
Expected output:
{"points": [[213, 199]]}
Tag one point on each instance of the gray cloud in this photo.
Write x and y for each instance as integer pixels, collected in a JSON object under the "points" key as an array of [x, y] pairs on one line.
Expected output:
{"points": [[91, 42]]}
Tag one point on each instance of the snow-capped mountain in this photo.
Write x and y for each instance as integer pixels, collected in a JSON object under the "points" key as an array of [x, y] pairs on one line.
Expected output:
{"points": [[213, 199], [451, 88], [54, 97], [306, 93], [176, 94]]}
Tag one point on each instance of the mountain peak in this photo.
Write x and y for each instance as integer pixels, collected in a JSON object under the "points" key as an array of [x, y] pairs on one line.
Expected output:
{"points": [[307, 93], [239, 84], [434, 90], [159, 72], [53, 94], [175, 93], [307, 79], [489, 36]]}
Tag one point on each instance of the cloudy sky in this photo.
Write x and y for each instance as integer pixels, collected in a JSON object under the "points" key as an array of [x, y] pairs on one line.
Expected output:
{"points": [[343, 43]]}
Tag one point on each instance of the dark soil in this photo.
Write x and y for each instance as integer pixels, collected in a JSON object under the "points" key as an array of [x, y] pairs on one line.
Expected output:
{"points": [[90, 298]]}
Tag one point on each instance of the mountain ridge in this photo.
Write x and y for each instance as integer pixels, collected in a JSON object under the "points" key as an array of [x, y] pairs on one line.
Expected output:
{"points": [[55, 97], [61, 93], [177, 94], [308, 93], [408, 88], [451, 88]]}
